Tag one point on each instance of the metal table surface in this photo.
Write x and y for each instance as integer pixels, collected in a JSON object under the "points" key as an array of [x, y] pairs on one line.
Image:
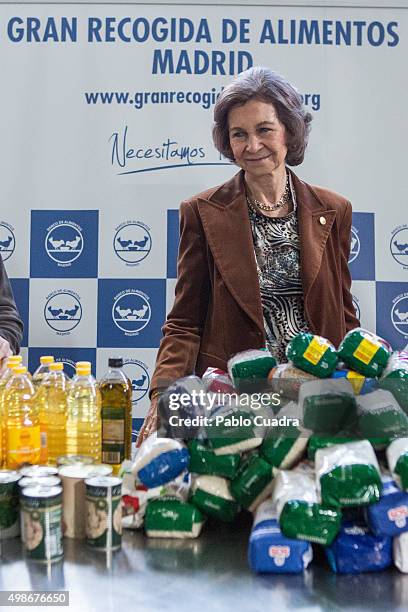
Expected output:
{"points": [[210, 572]]}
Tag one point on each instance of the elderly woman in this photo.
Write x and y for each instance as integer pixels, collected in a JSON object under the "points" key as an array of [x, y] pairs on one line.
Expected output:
{"points": [[263, 256]]}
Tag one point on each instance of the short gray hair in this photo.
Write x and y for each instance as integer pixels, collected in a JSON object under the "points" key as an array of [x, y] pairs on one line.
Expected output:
{"points": [[263, 84]]}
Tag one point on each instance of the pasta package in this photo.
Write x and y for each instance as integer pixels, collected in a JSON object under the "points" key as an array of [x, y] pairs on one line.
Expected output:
{"points": [[397, 458], [231, 429], [253, 482], [380, 415], [328, 405], [348, 474], [172, 518], [364, 352], [284, 445], [356, 550], [270, 551], [313, 354], [318, 441], [249, 369], [212, 495], [159, 460]]}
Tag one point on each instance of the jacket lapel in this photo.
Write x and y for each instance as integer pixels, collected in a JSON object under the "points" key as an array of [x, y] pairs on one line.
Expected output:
{"points": [[225, 220]]}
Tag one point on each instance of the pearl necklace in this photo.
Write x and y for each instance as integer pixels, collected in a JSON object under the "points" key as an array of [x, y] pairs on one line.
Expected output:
{"points": [[271, 207]]}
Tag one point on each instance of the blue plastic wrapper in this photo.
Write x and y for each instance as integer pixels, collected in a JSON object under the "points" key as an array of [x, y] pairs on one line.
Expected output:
{"points": [[270, 552], [164, 467], [356, 550], [389, 516]]}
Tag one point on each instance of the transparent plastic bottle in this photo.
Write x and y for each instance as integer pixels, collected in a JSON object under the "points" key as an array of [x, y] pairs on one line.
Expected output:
{"points": [[42, 370], [51, 398], [84, 423], [116, 394], [12, 361], [22, 420]]}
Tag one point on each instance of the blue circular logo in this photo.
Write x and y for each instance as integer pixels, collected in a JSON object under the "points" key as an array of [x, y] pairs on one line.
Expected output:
{"points": [[399, 314], [354, 245], [399, 246], [7, 241], [137, 372], [132, 242], [64, 242], [131, 311], [63, 311], [356, 307]]}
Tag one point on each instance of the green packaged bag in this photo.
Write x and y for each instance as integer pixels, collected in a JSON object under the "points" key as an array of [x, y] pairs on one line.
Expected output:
{"points": [[364, 352], [348, 474], [172, 518], [249, 369], [204, 461], [318, 441], [301, 516], [230, 430], [397, 458], [395, 378], [328, 405], [312, 354], [284, 445], [211, 494], [380, 416], [253, 482]]}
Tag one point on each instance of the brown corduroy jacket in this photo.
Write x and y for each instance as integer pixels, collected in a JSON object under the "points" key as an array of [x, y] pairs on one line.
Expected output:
{"points": [[217, 310]]}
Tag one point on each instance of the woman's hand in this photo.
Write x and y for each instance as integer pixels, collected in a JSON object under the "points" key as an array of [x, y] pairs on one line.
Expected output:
{"points": [[150, 423]]}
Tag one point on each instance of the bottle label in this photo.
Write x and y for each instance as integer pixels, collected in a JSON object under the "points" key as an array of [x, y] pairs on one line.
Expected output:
{"points": [[113, 435], [43, 442], [23, 445], [315, 351]]}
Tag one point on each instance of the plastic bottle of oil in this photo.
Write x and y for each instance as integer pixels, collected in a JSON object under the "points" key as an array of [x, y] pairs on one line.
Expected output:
{"points": [[84, 424], [22, 421], [12, 361], [42, 370], [51, 398], [116, 393]]}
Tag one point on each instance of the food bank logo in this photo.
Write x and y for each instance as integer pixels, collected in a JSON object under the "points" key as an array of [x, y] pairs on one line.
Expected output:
{"points": [[64, 242], [354, 245], [399, 246], [399, 314], [7, 240], [63, 311], [132, 242], [139, 377], [131, 311]]}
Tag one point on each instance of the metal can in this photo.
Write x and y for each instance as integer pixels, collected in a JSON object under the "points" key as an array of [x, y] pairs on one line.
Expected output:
{"points": [[74, 459], [38, 471], [43, 481], [9, 516], [73, 481], [104, 513], [41, 514]]}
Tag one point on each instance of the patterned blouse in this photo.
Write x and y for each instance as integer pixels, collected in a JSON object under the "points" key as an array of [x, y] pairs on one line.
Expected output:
{"points": [[277, 253]]}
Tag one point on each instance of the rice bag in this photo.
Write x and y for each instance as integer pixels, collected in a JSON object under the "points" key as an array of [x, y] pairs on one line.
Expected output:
{"points": [[348, 474], [356, 550], [204, 461], [231, 429], [389, 516], [186, 401], [211, 494], [172, 518], [395, 378], [271, 552], [253, 482], [327, 405], [249, 369], [380, 416], [364, 352], [320, 441], [284, 445], [312, 354], [159, 460], [361, 384], [300, 515], [400, 552], [287, 379], [397, 458], [217, 381]]}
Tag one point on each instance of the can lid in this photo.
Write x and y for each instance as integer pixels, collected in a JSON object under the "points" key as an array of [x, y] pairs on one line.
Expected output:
{"points": [[46, 359], [7, 476], [38, 471], [115, 362], [74, 460], [78, 470], [43, 481], [103, 481], [41, 491]]}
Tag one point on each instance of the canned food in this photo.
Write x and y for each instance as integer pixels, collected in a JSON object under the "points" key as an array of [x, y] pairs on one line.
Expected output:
{"points": [[74, 459], [38, 471], [9, 521], [104, 513], [41, 512], [43, 481], [73, 481]]}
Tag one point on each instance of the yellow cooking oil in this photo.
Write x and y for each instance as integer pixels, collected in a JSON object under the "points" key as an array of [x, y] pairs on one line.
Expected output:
{"points": [[116, 394], [12, 361], [84, 424], [51, 398], [42, 370], [22, 421]]}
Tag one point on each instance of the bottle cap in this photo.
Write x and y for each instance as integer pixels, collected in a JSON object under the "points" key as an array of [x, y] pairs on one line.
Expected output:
{"points": [[20, 369], [15, 358], [46, 359], [115, 362], [57, 366], [83, 368]]}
